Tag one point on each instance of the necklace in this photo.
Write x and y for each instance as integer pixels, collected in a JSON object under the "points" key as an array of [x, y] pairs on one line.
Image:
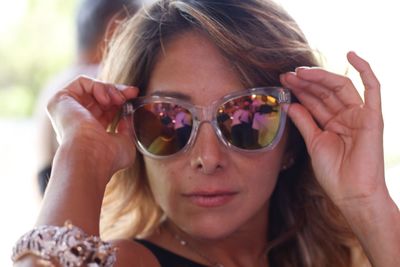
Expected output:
{"points": [[210, 262], [184, 243]]}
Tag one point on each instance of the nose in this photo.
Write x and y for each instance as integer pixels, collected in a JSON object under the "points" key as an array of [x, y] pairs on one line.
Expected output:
{"points": [[208, 154]]}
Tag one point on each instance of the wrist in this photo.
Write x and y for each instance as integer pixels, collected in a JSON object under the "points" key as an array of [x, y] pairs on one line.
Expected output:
{"points": [[368, 209], [67, 245], [106, 152], [376, 223], [87, 154], [76, 188]]}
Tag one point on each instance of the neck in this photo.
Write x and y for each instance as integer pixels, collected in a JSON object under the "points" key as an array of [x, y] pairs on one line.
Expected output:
{"points": [[245, 247]]}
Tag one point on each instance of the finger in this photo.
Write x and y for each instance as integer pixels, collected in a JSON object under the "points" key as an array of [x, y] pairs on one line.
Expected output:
{"points": [[304, 123], [288, 79], [125, 126], [87, 92], [107, 95], [119, 94], [84, 85], [127, 90], [128, 151], [372, 92], [90, 92], [87, 84], [328, 97], [325, 95], [86, 88], [341, 85], [95, 109], [100, 94], [318, 108], [117, 98]]}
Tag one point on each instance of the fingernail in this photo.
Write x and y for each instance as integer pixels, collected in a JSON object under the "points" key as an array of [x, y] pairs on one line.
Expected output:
{"points": [[302, 68], [121, 87]]}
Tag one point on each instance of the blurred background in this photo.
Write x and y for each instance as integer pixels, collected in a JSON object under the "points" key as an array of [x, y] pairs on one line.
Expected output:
{"points": [[37, 41]]}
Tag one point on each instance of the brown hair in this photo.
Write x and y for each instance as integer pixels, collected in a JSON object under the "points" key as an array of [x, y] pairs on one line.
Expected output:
{"points": [[261, 41]]}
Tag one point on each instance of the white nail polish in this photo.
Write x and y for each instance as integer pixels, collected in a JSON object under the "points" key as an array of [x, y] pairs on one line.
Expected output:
{"points": [[121, 87]]}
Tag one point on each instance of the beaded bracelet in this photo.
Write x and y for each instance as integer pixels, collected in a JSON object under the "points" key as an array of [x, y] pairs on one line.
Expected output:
{"points": [[69, 245]]}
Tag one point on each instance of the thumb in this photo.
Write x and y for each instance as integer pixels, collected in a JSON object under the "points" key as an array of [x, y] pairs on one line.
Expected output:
{"points": [[126, 152], [121, 130], [304, 122]]}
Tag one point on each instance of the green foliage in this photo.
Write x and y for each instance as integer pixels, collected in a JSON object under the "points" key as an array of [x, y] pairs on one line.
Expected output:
{"points": [[40, 44]]}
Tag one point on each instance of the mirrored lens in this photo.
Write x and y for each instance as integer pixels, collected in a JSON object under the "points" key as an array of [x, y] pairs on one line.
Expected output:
{"points": [[162, 128], [250, 122]]}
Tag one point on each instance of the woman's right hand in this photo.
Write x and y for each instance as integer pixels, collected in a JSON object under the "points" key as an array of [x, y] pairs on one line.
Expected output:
{"points": [[80, 114]]}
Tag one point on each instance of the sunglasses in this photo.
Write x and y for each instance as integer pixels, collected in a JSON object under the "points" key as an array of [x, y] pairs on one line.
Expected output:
{"points": [[252, 120]]}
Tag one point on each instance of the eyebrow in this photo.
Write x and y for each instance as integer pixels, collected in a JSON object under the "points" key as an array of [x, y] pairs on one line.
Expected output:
{"points": [[173, 94]]}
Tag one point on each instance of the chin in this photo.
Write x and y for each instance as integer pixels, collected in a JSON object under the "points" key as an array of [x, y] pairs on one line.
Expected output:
{"points": [[211, 228]]}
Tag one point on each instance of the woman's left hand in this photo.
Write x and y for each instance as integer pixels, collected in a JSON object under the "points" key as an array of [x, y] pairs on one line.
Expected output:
{"points": [[343, 133], [344, 137]]}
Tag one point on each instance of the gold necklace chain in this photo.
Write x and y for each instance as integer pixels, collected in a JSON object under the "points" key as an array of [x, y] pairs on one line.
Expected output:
{"points": [[184, 243], [189, 246]]}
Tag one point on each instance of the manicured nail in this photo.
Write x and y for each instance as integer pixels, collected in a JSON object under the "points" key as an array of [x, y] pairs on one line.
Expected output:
{"points": [[121, 87], [302, 68]]}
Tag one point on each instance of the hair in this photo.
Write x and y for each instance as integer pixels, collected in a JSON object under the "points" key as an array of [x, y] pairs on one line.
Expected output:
{"points": [[261, 41], [93, 16]]}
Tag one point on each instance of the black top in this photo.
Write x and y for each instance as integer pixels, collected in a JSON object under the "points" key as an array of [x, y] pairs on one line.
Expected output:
{"points": [[167, 258]]}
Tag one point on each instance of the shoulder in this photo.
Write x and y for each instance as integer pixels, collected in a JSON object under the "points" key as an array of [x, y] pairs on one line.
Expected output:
{"points": [[131, 253]]}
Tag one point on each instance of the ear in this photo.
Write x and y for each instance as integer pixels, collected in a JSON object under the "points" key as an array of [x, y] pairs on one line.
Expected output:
{"points": [[112, 25]]}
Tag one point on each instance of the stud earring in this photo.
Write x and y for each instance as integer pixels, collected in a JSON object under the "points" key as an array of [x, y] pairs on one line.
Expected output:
{"points": [[288, 163]]}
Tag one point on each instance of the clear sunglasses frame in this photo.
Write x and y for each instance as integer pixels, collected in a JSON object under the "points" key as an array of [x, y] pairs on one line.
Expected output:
{"points": [[208, 114]]}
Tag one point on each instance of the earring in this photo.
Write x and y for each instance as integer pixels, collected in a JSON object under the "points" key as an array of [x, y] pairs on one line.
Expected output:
{"points": [[288, 163]]}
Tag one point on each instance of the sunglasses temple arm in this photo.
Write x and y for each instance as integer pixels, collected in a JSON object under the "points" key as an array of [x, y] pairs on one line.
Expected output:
{"points": [[112, 127], [125, 110], [284, 97]]}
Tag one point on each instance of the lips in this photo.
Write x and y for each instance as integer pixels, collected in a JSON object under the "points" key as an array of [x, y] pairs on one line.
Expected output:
{"points": [[209, 199]]}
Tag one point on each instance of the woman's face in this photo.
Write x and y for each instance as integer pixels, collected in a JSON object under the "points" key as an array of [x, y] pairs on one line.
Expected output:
{"points": [[209, 191]]}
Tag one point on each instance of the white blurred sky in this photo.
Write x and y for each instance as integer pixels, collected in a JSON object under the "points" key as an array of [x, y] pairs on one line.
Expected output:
{"points": [[11, 14], [370, 29], [332, 26]]}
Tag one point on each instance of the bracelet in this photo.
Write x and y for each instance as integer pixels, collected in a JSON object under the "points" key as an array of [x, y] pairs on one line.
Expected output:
{"points": [[69, 245]]}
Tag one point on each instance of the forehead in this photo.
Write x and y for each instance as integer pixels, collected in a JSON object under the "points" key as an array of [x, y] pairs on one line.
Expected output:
{"points": [[192, 66]]}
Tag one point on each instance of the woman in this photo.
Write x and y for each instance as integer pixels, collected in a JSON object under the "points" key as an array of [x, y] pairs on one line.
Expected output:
{"points": [[214, 203]]}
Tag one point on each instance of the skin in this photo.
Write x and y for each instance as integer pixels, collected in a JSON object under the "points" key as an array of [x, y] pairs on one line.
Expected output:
{"points": [[209, 166], [86, 60], [343, 134], [344, 137]]}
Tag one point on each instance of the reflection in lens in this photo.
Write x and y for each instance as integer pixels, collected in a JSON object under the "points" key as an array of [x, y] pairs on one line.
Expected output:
{"points": [[162, 128], [249, 122]]}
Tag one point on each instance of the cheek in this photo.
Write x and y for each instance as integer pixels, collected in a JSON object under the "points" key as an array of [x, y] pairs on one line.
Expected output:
{"points": [[262, 172], [263, 179], [162, 180]]}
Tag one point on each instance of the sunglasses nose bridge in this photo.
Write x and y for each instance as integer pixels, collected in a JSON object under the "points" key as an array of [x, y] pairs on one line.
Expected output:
{"points": [[204, 114]]}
